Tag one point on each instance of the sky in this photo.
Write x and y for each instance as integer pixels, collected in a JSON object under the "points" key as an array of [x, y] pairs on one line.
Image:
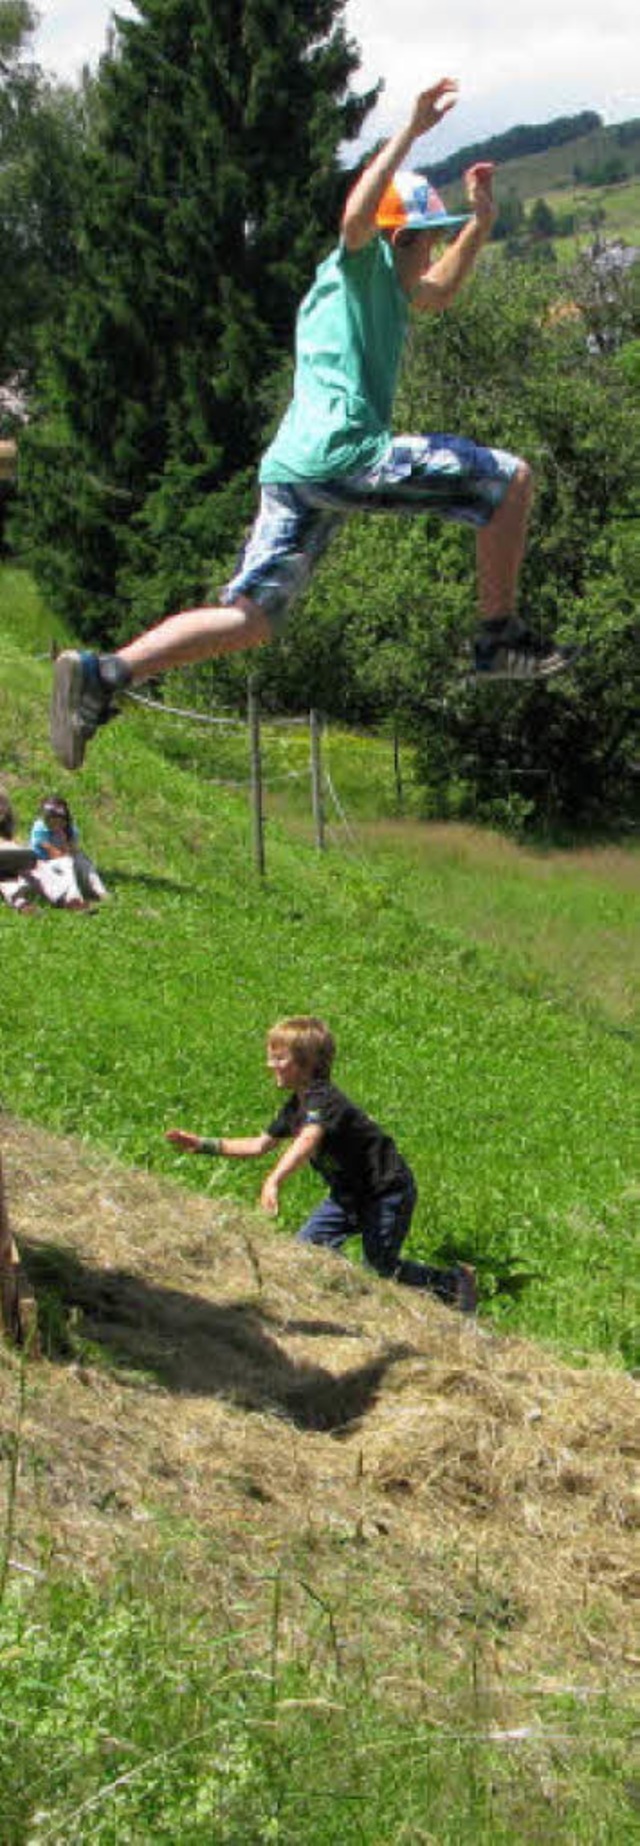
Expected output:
{"points": [[515, 62]]}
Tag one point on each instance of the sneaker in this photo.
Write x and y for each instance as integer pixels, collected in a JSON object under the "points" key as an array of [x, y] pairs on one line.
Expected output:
{"points": [[508, 650], [80, 703], [466, 1295]]}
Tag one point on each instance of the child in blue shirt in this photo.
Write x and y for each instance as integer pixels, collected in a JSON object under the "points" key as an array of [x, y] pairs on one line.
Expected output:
{"points": [[66, 876]]}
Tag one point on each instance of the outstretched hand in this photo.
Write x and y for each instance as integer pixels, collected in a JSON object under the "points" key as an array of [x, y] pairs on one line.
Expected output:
{"points": [[432, 104], [181, 1138], [269, 1196]]}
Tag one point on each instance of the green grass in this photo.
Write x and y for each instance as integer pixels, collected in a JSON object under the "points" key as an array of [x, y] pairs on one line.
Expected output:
{"points": [[131, 1718], [620, 204], [485, 1001], [485, 1012]]}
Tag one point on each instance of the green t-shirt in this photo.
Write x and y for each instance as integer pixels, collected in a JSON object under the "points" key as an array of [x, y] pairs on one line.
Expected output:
{"points": [[350, 333]]}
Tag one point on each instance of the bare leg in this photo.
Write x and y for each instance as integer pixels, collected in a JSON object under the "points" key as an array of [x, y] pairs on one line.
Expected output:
{"points": [[500, 548], [196, 634], [84, 686]]}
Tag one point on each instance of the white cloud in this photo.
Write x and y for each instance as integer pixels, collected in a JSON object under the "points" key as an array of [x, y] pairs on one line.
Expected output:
{"points": [[514, 62], [73, 33]]}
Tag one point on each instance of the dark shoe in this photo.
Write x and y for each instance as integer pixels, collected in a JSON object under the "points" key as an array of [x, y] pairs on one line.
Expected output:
{"points": [[466, 1295], [15, 859], [508, 650], [80, 703]]}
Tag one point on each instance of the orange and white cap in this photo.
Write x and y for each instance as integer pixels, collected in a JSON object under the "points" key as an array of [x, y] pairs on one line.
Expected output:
{"points": [[411, 203]]}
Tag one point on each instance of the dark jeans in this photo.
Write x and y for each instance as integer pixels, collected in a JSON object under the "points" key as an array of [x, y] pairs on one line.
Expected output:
{"points": [[383, 1224]]}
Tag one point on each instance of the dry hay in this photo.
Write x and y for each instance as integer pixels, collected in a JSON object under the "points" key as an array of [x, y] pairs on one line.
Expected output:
{"points": [[282, 1405]]}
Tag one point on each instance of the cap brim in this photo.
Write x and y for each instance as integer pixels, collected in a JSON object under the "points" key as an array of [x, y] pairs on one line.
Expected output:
{"points": [[438, 222]]}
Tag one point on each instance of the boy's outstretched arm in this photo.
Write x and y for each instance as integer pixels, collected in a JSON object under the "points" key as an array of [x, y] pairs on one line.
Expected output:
{"points": [[243, 1147], [296, 1155], [359, 216]]}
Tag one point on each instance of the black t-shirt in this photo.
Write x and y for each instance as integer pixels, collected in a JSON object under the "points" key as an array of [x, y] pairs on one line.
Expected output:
{"points": [[355, 1156]]}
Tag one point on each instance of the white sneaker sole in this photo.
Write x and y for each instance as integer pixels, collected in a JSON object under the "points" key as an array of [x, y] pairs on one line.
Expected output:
{"points": [[67, 737], [514, 670]]}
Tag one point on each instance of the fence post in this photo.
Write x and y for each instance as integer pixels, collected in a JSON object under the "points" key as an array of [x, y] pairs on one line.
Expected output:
{"points": [[315, 732], [397, 771], [253, 715]]}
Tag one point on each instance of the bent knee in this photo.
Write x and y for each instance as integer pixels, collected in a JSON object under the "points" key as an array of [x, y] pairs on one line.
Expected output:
{"points": [[247, 624], [521, 485]]}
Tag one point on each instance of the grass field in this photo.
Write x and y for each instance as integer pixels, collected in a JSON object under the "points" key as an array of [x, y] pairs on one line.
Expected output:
{"points": [[290, 1555], [287, 1555], [485, 1002], [620, 205]]}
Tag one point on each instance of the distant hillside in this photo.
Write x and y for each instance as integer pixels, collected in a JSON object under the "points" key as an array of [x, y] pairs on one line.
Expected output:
{"points": [[596, 170], [529, 167], [531, 138]]}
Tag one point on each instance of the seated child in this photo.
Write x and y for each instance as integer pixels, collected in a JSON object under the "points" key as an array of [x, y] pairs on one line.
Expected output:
{"points": [[65, 875], [372, 1191]]}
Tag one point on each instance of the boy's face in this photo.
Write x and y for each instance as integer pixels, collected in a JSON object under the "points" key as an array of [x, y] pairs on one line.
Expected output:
{"points": [[288, 1074], [414, 252]]}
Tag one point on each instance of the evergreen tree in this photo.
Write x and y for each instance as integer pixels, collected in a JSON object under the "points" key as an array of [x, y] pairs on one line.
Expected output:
{"points": [[211, 183], [40, 127], [541, 222]]}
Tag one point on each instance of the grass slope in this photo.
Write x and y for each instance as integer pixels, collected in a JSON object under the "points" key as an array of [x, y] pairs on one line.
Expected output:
{"points": [[290, 1556], [485, 1011], [553, 168]]}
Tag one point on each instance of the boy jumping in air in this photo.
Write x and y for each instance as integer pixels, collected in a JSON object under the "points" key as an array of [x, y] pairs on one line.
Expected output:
{"points": [[372, 1191], [334, 453]]}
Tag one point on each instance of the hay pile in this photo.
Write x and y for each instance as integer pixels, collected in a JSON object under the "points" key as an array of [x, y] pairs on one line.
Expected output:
{"points": [[283, 1405]]}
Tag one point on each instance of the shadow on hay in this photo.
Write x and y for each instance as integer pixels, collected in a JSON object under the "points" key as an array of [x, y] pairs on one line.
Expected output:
{"points": [[191, 1345]]}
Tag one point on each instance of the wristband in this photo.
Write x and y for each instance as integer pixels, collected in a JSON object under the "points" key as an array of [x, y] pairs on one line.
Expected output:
{"points": [[210, 1144]]}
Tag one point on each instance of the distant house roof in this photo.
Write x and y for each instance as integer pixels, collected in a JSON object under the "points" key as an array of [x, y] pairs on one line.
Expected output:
{"points": [[613, 256], [13, 400]]}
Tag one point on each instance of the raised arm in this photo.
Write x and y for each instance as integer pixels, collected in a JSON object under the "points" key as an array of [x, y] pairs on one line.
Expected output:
{"points": [[438, 286], [296, 1155], [359, 216]]}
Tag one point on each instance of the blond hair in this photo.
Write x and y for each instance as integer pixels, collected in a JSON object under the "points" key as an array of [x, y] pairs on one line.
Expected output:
{"points": [[309, 1041]]}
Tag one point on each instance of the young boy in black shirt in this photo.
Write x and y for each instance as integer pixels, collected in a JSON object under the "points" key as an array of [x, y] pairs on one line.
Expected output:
{"points": [[372, 1191]]}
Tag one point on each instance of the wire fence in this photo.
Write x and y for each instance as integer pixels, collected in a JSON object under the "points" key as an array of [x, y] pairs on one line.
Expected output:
{"points": [[317, 774], [330, 818]]}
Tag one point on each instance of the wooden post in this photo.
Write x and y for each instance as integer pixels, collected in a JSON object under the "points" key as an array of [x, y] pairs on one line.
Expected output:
{"points": [[18, 1310], [397, 771], [315, 733], [8, 459], [256, 777]]}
